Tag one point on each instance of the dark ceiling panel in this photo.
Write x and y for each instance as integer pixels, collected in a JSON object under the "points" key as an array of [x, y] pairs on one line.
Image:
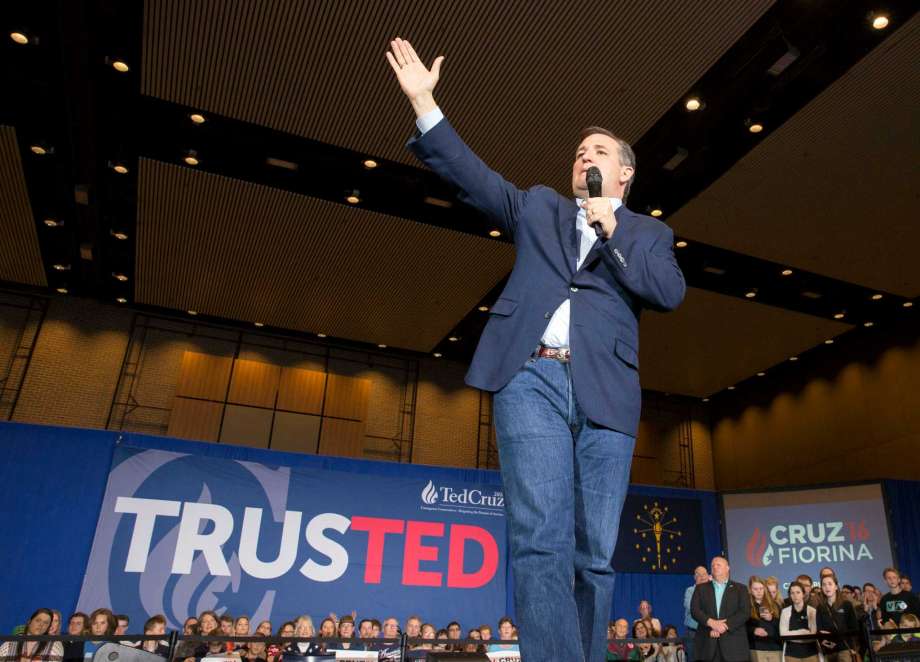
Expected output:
{"points": [[834, 190], [714, 341], [20, 255], [237, 250], [520, 79]]}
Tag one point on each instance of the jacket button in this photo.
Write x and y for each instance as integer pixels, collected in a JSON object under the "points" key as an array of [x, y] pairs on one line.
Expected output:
{"points": [[573, 288], [546, 316]]}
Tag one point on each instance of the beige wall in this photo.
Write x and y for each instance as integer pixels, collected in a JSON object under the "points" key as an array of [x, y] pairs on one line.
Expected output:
{"points": [[80, 349], [853, 419]]}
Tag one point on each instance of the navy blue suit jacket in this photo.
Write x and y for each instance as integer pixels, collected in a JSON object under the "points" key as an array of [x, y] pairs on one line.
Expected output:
{"points": [[634, 269]]}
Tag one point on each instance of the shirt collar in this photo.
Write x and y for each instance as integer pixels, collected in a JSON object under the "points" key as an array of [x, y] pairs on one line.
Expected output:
{"points": [[716, 581], [615, 202]]}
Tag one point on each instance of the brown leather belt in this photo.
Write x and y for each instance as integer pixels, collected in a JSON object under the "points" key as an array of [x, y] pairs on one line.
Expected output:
{"points": [[561, 354]]}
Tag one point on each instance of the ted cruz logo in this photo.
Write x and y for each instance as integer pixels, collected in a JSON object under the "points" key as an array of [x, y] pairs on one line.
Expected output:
{"points": [[430, 494]]}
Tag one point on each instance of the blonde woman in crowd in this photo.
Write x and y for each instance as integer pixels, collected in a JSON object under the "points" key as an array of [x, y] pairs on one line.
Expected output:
{"points": [[763, 625]]}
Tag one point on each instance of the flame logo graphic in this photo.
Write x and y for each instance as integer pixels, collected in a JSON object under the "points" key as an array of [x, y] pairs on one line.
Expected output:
{"points": [[756, 547], [430, 493]]}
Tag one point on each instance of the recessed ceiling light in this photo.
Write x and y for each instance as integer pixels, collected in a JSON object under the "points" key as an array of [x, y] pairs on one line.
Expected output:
{"points": [[370, 164], [61, 290], [259, 324], [908, 304], [829, 341], [438, 202], [868, 324], [120, 66], [192, 312], [191, 159], [320, 335], [51, 223], [838, 316], [38, 150], [705, 399], [453, 339], [281, 163], [751, 294], [382, 345], [656, 212], [755, 127], [876, 296], [353, 198], [793, 358], [120, 168], [437, 355], [731, 388], [120, 277], [118, 234], [786, 272], [693, 104], [483, 309], [61, 267], [880, 21], [808, 294], [681, 244], [19, 38], [761, 374], [121, 300], [495, 233], [716, 271], [197, 118]]}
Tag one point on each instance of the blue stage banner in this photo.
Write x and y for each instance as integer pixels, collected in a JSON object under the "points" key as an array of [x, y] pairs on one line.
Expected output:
{"points": [[660, 535], [179, 534]]}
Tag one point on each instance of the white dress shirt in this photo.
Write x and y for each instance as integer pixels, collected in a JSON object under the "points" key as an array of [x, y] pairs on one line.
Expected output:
{"points": [[556, 333]]}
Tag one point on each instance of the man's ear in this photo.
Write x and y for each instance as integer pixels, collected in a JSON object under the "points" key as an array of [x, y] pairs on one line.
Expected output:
{"points": [[626, 173]]}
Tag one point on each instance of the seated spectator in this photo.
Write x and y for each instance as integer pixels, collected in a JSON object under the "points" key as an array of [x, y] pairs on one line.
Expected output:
{"points": [[155, 625], [429, 634], [77, 625], [671, 652], [303, 627], [641, 630], [208, 626], [241, 629], [55, 628], [835, 615], [101, 623], [474, 648], [121, 624], [645, 613], [622, 650], [346, 631], [505, 631], [187, 648], [798, 618], [909, 621], [257, 651], [897, 601], [485, 631], [763, 625], [34, 651], [275, 650]]}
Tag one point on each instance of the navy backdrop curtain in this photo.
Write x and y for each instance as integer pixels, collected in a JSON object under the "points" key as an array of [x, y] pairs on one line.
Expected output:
{"points": [[903, 497]]}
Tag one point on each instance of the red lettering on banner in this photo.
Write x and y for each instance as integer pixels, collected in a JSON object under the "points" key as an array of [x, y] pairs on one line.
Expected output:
{"points": [[377, 528], [456, 577], [416, 552]]}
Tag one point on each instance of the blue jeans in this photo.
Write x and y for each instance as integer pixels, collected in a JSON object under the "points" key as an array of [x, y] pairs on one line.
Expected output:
{"points": [[565, 481]]}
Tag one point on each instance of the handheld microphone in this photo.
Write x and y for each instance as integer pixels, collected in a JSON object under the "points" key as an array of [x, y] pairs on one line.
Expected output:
{"points": [[595, 184]]}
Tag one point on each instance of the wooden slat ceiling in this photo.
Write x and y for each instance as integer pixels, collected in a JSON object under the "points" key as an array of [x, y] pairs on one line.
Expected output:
{"points": [[714, 341], [248, 252], [520, 80], [834, 190], [20, 256]]}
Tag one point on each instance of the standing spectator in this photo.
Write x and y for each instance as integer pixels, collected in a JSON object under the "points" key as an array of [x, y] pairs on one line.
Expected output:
{"points": [[303, 627], [763, 626], [34, 651], [798, 618], [897, 601], [241, 628], [101, 623], [276, 650], [346, 631], [414, 629], [721, 608], [869, 608], [486, 632], [857, 594], [645, 614], [906, 585], [76, 626], [187, 648], [474, 648], [671, 652], [208, 626], [264, 629], [700, 576], [428, 634], [622, 650], [55, 628], [835, 615], [121, 624], [155, 626], [390, 651], [505, 632], [772, 584]]}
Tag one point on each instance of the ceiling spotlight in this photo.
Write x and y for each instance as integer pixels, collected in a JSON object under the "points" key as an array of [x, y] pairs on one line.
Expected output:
{"points": [[829, 341], [120, 66], [438, 202], [320, 335], [192, 312], [880, 21], [838, 316], [656, 212], [197, 118], [39, 150], [693, 104], [483, 309], [437, 355], [121, 236], [868, 324], [52, 223], [755, 127], [61, 290], [731, 388], [382, 346], [453, 339], [120, 168], [259, 324], [120, 277], [19, 38], [705, 399], [495, 233], [121, 300], [786, 272], [370, 164], [61, 267], [751, 294], [353, 198], [793, 358], [876, 297], [681, 244], [191, 158], [761, 374], [908, 304]]}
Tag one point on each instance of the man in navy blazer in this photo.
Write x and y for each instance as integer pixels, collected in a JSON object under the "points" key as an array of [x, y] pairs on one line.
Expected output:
{"points": [[560, 353]]}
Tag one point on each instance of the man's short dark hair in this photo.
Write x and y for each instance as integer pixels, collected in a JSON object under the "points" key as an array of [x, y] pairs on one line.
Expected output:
{"points": [[627, 155], [363, 621], [227, 618], [122, 617], [153, 620]]}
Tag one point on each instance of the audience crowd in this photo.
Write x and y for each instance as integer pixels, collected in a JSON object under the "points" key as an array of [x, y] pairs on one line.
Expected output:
{"points": [[724, 621]]}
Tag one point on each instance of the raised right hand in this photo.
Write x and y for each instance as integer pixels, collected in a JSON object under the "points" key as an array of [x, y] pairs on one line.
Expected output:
{"points": [[416, 81]]}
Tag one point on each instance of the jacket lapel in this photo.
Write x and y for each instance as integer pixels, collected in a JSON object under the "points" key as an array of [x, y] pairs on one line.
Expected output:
{"points": [[595, 253], [568, 231]]}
